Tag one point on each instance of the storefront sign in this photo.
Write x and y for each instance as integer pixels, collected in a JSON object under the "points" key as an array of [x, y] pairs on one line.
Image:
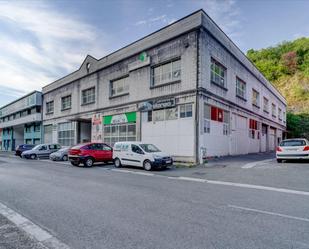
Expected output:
{"points": [[145, 106], [128, 117], [143, 60], [96, 129], [164, 103]]}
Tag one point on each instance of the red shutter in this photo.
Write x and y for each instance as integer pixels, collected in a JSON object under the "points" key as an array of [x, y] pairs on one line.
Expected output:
{"points": [[250, 123], [220, 115], [214, 113]]}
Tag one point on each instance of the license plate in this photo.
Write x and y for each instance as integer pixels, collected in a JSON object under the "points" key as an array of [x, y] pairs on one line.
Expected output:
{"points": [[168, 161]]}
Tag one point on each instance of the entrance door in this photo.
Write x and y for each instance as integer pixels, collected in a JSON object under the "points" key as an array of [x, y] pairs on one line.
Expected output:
{"points": [[264, 138], [272, 140], [239, 135]]}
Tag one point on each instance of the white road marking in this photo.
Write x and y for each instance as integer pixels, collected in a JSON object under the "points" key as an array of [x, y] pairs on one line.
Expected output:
{"points": [[259, 187], [191, 179], [269, 213], [234, 184], [34, 231], [253, 164]]}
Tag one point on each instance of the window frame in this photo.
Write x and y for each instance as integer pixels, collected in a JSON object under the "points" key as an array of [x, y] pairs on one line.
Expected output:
{"points": [[215, 62], [82, 96], [62, 101], [267, 106], [171, 79], [257, 103], [239, 80], [111, 95], [48, 110]]}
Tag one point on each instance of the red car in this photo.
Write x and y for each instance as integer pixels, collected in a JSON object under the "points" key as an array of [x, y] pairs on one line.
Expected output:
{"points": [[90, 153]]}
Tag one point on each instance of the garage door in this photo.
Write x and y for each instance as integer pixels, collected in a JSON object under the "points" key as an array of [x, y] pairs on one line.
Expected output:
{"points": [[239, 143]]}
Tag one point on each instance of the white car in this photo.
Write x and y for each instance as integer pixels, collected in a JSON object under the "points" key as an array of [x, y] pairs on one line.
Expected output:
{"points": [[296, 148], [140, 154]]}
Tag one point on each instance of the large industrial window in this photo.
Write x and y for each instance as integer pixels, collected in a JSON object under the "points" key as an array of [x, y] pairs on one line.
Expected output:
{"points": [[66, 102], [88, 96], [166, 73], [49, 107], [119, 132], [240, 88], [218, 73], [66, 133], [37, 128], [255, 98], [119, 87], [163, 114]]}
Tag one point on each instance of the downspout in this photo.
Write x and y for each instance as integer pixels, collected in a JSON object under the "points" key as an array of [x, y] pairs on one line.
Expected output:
{"points": [[197, 97]]}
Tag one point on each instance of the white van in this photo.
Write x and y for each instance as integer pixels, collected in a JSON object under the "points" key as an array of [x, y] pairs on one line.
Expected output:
{"points": [[140, 154]]}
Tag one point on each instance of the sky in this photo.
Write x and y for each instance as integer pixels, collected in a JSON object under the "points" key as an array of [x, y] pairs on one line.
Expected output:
{"points": [[42, 41]]}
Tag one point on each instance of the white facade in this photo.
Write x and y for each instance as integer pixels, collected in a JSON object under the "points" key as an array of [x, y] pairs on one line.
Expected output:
{"points": [[160, 89]]}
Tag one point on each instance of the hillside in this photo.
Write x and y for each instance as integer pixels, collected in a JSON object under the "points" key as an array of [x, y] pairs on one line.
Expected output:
{"points": [[287, 67]]}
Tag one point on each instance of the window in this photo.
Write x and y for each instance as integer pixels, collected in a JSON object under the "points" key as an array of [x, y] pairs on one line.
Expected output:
{"points": [[119, 87], [265, 105], [149, 116], [166, 73], [284, 117], [253, 129], [279, 114], [158, 115], [273, 110], [49, 107], [28, 129], [218, 73], [37, 128], [66, 102], [240, 88], [207, 116], [255, 98], [119, 132], [216, 114], [171, 114], [136, 149], [28, 141], [226, 131], [186, 111], [88, 96], [66, 133]]}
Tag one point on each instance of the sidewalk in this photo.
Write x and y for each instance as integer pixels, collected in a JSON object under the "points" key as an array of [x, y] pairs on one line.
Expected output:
{"points": [[11, 237]]}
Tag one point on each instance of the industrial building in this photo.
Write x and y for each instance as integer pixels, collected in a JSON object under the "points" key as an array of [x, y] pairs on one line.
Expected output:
{"points": [[186, 88], [21, 122]]}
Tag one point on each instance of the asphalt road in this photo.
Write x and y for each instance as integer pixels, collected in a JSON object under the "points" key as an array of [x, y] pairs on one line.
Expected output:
{"points": [[100, 208]]}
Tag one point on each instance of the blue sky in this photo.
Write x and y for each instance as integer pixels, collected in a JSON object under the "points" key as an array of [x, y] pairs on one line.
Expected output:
{"points": [[41, 41]]}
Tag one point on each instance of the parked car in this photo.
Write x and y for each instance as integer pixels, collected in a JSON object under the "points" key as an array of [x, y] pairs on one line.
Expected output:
{"points": [[89, 153], [60, 155], [23, 147], [40, 151], [140, 154], [297, 148]]}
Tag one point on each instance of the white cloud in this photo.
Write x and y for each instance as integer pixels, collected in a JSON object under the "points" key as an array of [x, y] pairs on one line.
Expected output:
{"points": [[52, 44], [226, 14], [162, 19]]}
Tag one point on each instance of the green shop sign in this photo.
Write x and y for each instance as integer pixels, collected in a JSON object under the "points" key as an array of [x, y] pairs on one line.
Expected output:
{"points": [[129, 117]]}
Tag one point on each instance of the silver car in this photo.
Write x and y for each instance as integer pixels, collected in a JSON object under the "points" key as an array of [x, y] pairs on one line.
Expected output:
{"points": [[41, 151], [60, 155], [296, 148]]}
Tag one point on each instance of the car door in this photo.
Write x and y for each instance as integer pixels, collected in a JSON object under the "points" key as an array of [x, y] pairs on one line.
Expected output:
{"points": [[43, 151], [107, 152], [136, 155], [98, 152]]}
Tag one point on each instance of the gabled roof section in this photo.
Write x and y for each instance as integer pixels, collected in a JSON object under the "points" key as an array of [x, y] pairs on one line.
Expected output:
{"points": [[88, 61]]}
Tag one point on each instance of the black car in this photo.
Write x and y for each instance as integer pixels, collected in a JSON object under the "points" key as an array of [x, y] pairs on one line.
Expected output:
{"points": [[23, 147]]}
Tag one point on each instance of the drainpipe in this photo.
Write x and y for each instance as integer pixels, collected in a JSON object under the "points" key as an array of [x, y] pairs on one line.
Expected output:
{"points": [[197, 98]]}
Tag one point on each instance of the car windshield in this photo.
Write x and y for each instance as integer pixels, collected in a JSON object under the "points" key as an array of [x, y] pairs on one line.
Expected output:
{"points": [[293, 143], [150, 148], [37, 147]]}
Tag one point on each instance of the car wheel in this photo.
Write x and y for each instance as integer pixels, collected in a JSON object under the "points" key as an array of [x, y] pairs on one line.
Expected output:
{"points": [[147, 165], [117, 163], [32, 156], [89, 162], [75, 164], [279, 160], [65, 158]]}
